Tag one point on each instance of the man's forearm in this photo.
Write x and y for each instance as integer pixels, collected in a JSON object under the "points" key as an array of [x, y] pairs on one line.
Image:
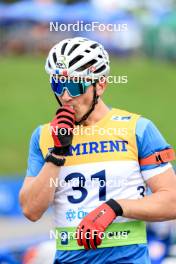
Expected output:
{"points": [[158, 206], [38, 196]]}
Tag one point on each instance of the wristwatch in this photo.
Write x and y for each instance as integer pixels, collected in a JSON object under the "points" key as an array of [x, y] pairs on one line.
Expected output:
{"points": [[58, 162]]}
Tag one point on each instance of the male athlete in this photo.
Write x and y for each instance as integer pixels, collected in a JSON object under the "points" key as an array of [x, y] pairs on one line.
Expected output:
{"points": [[102, 170]]}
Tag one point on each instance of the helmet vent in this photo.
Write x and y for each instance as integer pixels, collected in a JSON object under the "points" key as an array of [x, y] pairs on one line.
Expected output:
{"points": [[76, 59], [87, 51], [102, 68], [87, 65], [49, 65], [63, 48], [100, 56], [93, 46], [73, 48], [54, 57]]}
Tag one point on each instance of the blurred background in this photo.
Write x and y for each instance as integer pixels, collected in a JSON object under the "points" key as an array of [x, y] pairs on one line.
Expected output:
{"points": [[145, 53]]}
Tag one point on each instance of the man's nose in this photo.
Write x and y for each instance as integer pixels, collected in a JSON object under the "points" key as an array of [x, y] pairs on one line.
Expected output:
{"points": [[66, 97]]}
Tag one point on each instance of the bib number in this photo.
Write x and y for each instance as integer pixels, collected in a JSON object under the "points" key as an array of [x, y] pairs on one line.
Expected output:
{"points": [[81, 186]]}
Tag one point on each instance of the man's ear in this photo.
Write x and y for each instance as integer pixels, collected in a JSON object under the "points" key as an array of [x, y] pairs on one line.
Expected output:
{"points": [[101, 86]]}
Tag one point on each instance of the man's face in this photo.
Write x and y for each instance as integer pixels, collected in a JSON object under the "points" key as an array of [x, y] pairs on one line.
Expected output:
{"points": [[81, 104]]}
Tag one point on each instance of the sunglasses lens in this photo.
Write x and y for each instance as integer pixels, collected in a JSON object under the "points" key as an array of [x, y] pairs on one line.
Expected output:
{"points": [[74, 88]]}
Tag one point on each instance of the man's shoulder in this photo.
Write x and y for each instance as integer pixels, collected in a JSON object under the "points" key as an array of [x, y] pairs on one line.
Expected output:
{"points": [[45, 139], [142, 123], [38, 131]]}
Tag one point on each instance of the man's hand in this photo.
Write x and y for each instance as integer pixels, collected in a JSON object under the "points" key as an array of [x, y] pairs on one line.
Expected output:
{"points": [[90, 230], [62, 130]]}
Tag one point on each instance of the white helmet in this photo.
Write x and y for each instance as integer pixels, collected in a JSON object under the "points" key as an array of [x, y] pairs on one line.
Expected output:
{"points": [[78, 57]]}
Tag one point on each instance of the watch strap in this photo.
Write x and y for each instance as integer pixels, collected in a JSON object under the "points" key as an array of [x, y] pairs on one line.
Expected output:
{"points": [[56, 161]]}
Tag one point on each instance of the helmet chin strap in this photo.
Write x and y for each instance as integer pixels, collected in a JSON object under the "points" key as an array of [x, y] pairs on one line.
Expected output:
{"points": [[94, 102], [59, 102]]}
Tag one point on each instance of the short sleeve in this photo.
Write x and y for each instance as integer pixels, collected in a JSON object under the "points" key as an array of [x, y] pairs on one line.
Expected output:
{"points": [[149, 140], [35, 158]]}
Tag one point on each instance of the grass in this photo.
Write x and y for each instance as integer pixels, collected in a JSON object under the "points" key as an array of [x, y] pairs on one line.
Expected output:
{"points": [[26, 101]]}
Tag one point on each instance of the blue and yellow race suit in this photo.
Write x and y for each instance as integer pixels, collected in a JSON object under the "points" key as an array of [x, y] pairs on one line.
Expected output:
{"points": [[103, 164]]}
